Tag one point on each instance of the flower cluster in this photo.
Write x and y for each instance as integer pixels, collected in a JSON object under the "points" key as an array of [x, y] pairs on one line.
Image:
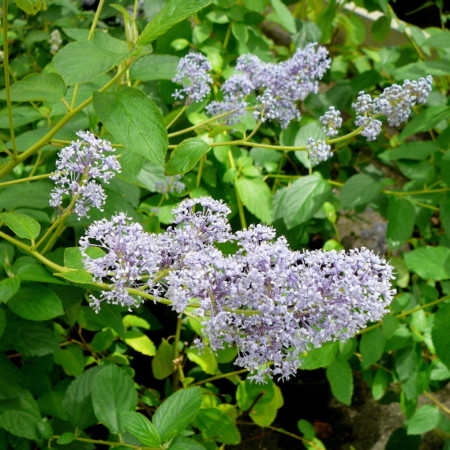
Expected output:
{"points": [[55, 40], [395, 102], [269, 301], [78, 167], [278, 87], [331, 121], [192, 73], [318, 150]]}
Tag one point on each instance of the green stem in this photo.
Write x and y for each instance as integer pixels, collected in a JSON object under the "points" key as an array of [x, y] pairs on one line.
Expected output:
{"points": [[24, 180], [200, 171], [34, 253], [58, 221], [45, 139], [7, 79], [219, 377], [426, 191], [182, 110], [199, 125], [407, 313], [239, 202]]}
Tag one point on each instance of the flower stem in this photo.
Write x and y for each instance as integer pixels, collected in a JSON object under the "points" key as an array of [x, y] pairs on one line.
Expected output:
{"points": [[182, 110], [219, 377], [24, 180]]}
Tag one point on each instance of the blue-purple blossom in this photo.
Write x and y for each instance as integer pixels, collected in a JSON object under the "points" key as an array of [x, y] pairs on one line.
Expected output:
{"points": [[79, 166], [395, 102], [319, 151], [192, 73], [331, 121], [279, 87], [128, 257], [273, 304]]}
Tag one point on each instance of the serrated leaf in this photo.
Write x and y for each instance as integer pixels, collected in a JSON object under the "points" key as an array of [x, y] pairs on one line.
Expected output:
{"points": [[285, 16], [162, 363], [426, 120], [8, 287], [299, 202], [140, 342], [429, 262], [30, 6], [319, 357], [372, 347], [135, 121], [113, 394], [216, 425], [47, 87], [78, 399], [82, 61], [177, 412], [401, 218], [340, 376], [174, 11], [141, 428], [256, 197], [155, 67], [358, 190], [424, 419], [440, 334], [186, 155], [22, 225], [36, 302]]}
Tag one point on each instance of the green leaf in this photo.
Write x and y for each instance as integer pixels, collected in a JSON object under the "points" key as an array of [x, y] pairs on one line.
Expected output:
{"points": [[438, 40], [2, 321], [424, 419], [359, 190], [401, 218], [47, 87], [177, 412], [141, 428], [102, 340], [285, 16], [440, 334], [340, 376], [372, 347], [381, 28], [28, 337], [444, 214], [380, 383], [27, 195], [206, 359], [429, 262], [78, 399], [140, 342], [162, 363], [30, 6], [299, 202], [76, 276], [71, 359], [113, 394], [320, 357], [216, 425], [418, 151], [8, 287], [155, 67], [399, 440], [22, 225], [184, 443], [426, 120], [22, 115], [135, 121], [256, 197], [82, 61], [186, 155], [20, 416], [174, 11], [36, 302]]}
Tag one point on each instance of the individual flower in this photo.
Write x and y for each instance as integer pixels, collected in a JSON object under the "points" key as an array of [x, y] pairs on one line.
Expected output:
{"points": [[192, 73], [79, 166], [331, 122], [127, 259], [318, 150]]}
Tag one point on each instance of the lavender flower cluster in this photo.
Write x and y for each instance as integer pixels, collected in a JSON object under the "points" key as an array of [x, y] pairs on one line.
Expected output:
{"points": [[395, 102], [170, 185], [79, 166], [269, 301]]}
